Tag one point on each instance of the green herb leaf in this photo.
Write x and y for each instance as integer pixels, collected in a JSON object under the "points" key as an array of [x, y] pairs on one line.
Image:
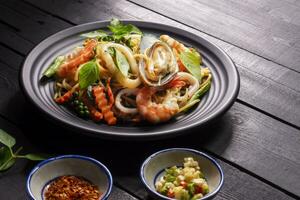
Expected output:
{"points": [[191, 59], [118, 28], [54, 66], [122, 63], [4, 154], [88, 74], [95, 34], [6, 159], [7, 139], [35, 157]]}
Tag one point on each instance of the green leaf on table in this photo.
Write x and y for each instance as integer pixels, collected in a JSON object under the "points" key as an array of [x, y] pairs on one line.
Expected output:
{"points": [[118, 28], [95, 34], [35, 156], [51, 70], [7, 139], [122, 63], [88, 74], [6, 159], [191, 59]]}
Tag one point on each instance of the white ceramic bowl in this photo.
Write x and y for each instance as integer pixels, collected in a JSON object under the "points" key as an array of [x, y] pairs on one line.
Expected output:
{"points": [[154, 166], [82, 166]]}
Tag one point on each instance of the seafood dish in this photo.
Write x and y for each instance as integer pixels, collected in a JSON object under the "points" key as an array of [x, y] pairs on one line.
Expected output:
{"points": [[111, 79]]}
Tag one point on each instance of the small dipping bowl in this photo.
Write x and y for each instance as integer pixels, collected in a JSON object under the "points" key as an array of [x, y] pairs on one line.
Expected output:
{"points": [[154, 167], [81, 166]]}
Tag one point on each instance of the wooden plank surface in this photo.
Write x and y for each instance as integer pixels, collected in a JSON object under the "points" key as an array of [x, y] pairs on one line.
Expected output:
{"points": [[237, 137], [253, 138], [264, 27], [13, 181], [254, 141], [283, 95], [238, 185]]}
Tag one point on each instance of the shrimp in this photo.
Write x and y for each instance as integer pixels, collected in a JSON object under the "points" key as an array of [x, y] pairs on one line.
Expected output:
{"points": [[156, 112], [69, 67], [102, 104], [172, 43]]}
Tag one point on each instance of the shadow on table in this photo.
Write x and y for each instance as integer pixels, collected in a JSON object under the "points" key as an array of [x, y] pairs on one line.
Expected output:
{"points": [[123, 158], [51, 138]]}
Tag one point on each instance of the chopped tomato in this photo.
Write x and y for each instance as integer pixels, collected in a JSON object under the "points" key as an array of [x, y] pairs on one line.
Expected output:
{"points": [[183, 184], [198, 189], [171, 193]]}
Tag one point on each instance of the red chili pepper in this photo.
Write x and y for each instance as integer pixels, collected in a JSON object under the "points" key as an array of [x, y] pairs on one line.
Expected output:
{"points": [[171, 193]]}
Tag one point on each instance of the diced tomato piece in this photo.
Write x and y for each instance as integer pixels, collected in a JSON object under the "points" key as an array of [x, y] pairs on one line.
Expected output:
{"points": [[171, 193], [183, 184], [198, 189]]}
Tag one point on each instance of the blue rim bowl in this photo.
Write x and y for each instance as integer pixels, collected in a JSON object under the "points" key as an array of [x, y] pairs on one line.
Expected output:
{"points": [[93, 163], [159, 161]]}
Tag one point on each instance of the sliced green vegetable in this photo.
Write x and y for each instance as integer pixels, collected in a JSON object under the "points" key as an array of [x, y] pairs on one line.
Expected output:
{"points": [[187, 106], [191, 188], [95, 34], [54, 66], [191, 59], [122, 63], [118, 28], [201, 91], [6, 139], [196, 97], [88, 74]]}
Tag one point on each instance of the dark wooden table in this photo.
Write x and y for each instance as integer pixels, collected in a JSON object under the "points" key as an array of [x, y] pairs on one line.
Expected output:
{"points": [[257, 142]]}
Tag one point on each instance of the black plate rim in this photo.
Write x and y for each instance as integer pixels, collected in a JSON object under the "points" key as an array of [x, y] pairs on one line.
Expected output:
{"points": [[222, 55]]}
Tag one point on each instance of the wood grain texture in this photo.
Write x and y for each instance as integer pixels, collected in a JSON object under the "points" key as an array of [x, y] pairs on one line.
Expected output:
{"points": [[238, 185], [244, 136], [13, 181], [260, 75], [263, 27]]}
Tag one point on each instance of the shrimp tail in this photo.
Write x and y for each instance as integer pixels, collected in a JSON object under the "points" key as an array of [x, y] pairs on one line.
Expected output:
{"points": [[68, 69]]}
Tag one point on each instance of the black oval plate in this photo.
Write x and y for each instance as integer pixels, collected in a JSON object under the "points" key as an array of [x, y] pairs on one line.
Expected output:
{"points": [[222, 94]]}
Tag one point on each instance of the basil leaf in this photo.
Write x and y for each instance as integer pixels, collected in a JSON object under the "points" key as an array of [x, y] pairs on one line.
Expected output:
{"points": [[54, 66], [6, 159], [118, 28], [37, 157], [7, 139], [95, 34], [122, 63], [191, 59], [4, 154], [88, 74]]}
